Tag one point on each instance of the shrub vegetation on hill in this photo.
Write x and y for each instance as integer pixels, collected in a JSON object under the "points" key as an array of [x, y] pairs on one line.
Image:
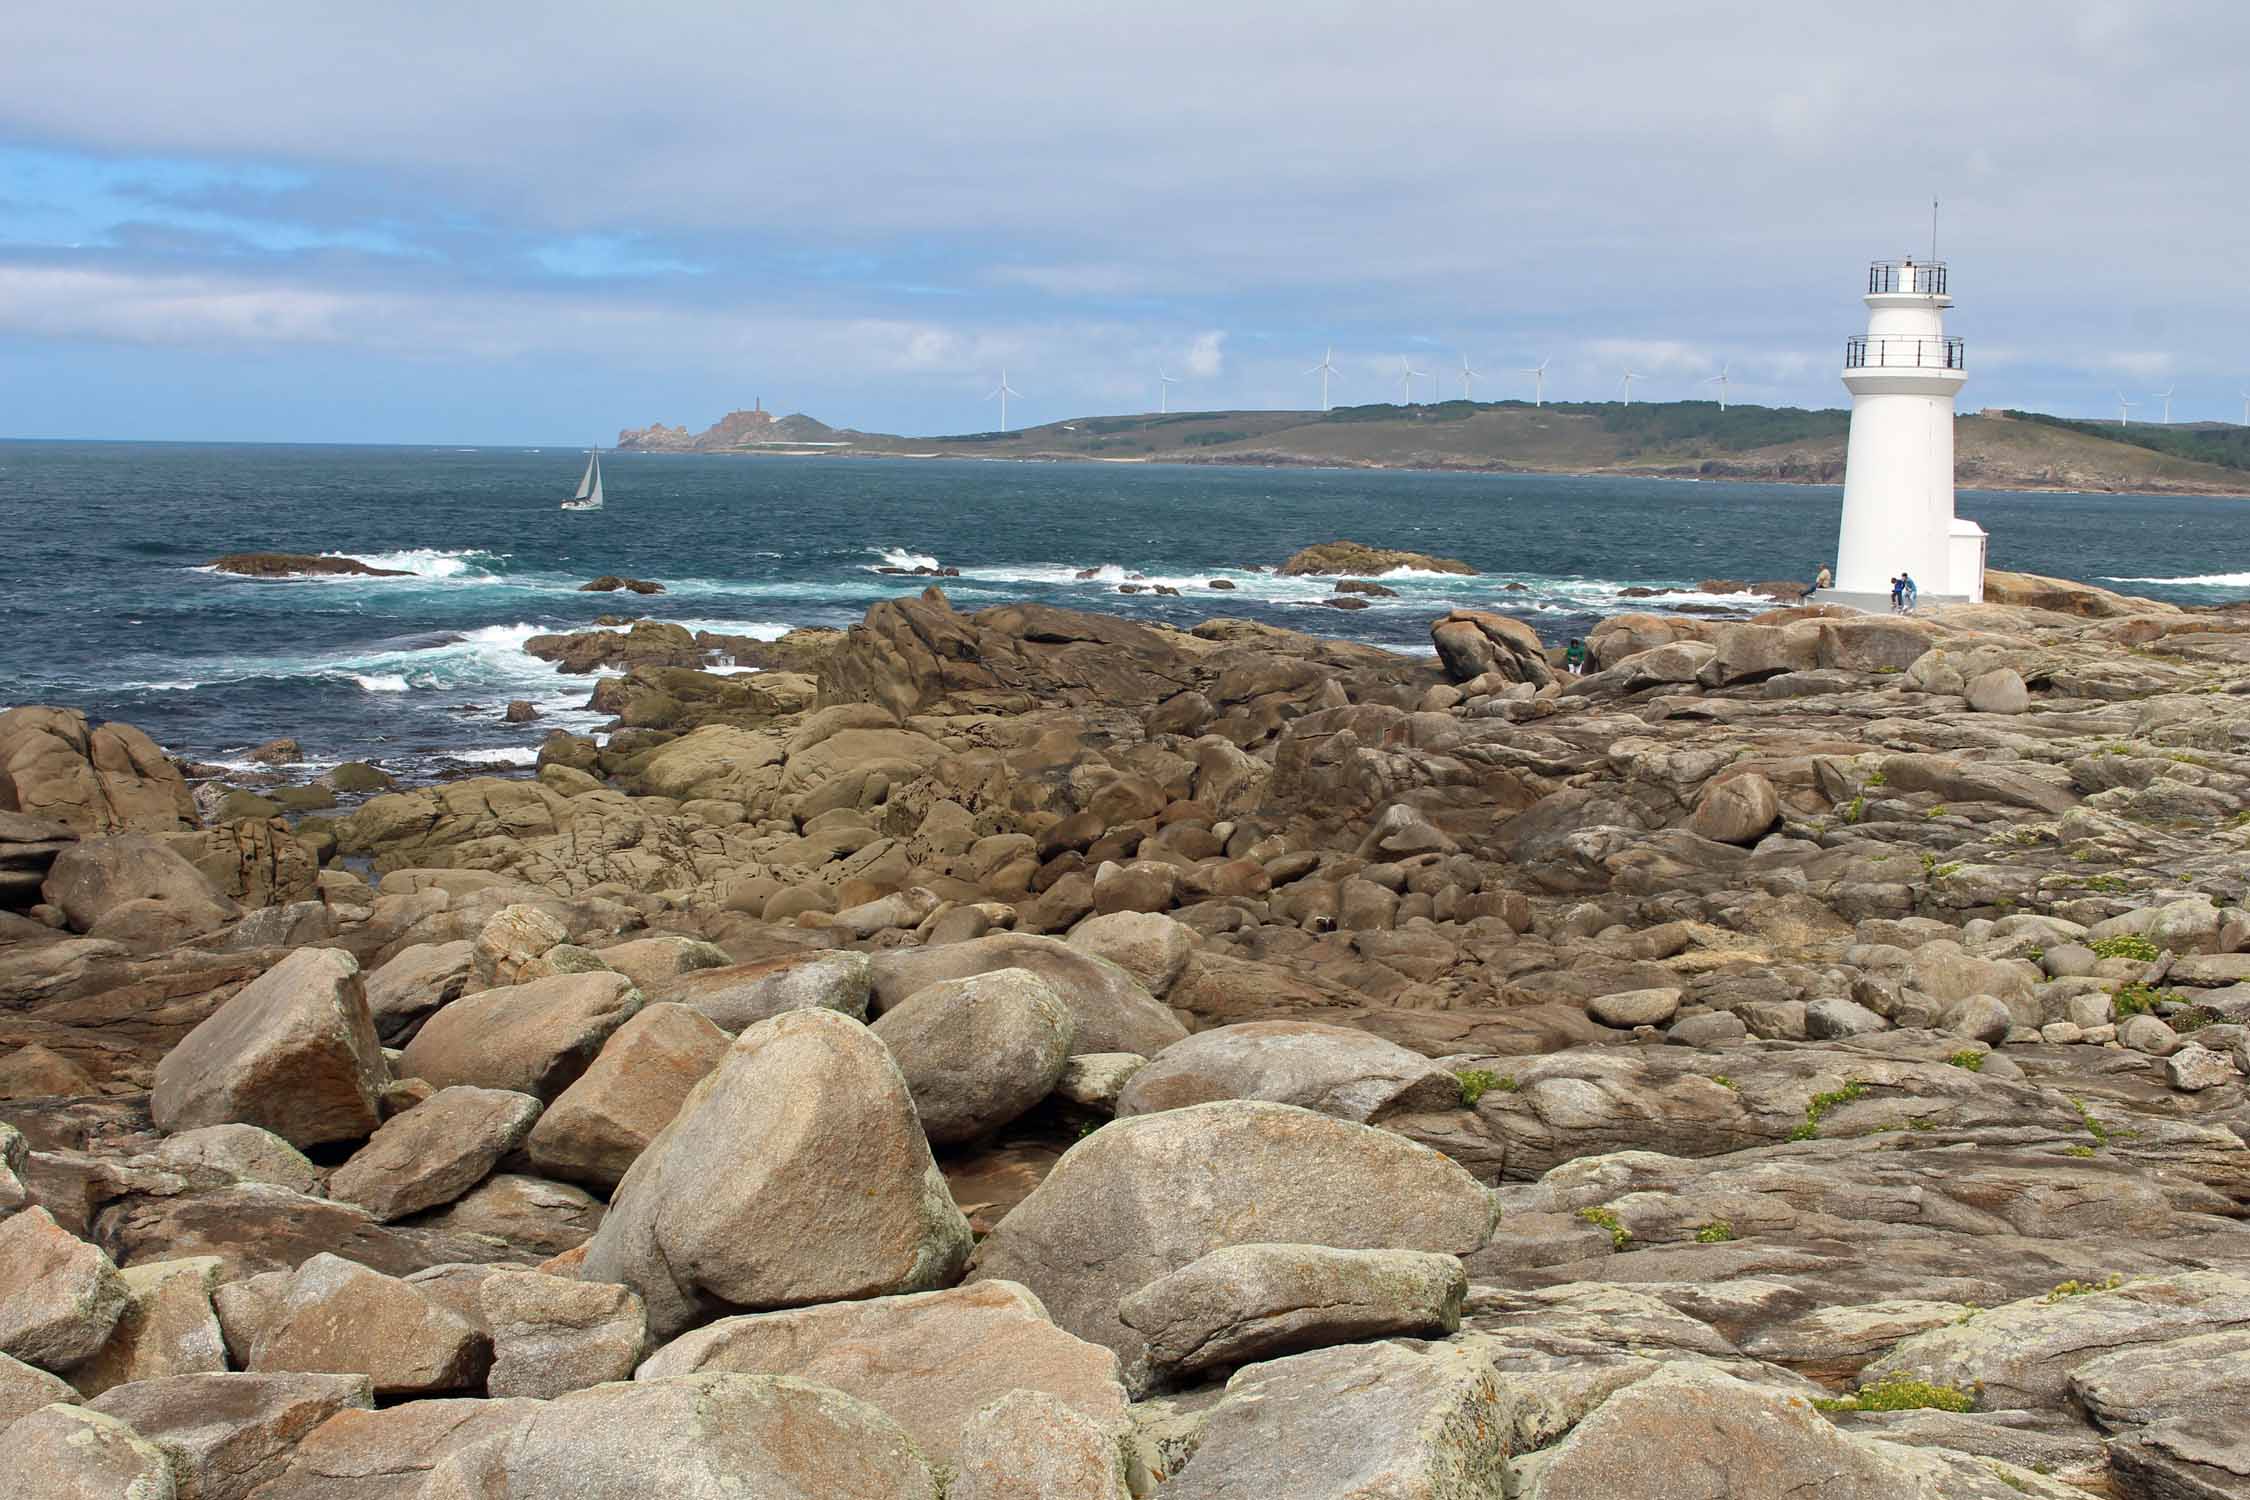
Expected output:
{"points": [[2228, 447]]}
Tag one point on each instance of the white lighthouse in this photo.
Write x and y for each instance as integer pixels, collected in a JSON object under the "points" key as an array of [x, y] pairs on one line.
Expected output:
{"points": [[1903, 374]]}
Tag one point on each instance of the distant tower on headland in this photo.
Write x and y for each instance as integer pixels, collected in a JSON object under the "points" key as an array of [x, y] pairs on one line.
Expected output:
{"points": [[1903, 374]]}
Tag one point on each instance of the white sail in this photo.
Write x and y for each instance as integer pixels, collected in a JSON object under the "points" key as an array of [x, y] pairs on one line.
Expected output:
{"points": [[589, 496]]}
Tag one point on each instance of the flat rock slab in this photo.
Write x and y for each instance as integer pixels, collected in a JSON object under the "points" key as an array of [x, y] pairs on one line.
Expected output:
{"points": [[1251, 1302], [829, 1189], [1140, 1198], [434, 1152], [929, 1361], [1689, 1428], [2025, 1353], [696, 1437], [294, 1052], [228, 1434], [1332, 1070]]}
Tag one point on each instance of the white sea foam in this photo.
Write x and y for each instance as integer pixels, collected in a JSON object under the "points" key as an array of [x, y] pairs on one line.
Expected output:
{"points": [[894, 557], [380, 682], [506, 755], [430, 563], [2198, 580]]}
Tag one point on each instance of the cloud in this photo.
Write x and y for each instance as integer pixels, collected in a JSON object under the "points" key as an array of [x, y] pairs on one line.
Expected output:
{"points": [[935, 191], [1205, 359]]}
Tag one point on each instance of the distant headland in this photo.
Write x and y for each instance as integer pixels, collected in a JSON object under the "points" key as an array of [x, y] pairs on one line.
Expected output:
{"points": [[1996, 450]]}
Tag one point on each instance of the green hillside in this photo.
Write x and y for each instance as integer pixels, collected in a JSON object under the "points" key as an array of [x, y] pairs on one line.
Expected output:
{"points": [[1680, 439]]}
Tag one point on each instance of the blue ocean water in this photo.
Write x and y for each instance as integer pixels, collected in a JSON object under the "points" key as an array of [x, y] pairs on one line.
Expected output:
{"points": [[105, 604]]}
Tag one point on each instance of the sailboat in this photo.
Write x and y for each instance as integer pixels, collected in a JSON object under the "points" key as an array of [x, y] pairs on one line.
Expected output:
{"points": [[589, 496]]}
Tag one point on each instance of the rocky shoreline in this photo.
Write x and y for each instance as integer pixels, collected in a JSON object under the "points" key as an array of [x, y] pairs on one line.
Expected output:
{"points": [[1033, 1053]]}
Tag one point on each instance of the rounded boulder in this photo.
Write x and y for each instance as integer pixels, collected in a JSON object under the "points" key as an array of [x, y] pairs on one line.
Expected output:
{"points": [[980, 1051]]}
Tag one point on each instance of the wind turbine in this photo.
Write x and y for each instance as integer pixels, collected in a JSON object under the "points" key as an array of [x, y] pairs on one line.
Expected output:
{"points": [[2166, 398], [2246, 408], [2124, 408], [1468, 375], [1627, 382], [1164, 384], [1720, 380], [1003, 390], [1407, 375], [1538, 373], [1324, 369]]}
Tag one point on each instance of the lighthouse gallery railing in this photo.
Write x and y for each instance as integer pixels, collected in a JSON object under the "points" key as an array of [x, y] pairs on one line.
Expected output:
{"points": [[1877, 351], [1921, 278]]}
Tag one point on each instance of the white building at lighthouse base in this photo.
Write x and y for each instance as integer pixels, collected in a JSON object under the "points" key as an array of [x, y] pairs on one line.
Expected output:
{"points": [[1904, 374]]}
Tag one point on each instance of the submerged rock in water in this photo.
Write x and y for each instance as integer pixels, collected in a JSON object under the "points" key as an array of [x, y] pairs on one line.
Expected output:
{"points": [[298, 565], [1358, 559]]}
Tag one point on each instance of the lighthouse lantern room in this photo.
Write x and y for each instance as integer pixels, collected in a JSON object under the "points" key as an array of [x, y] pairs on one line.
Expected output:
{"points": [[1903, 374]]}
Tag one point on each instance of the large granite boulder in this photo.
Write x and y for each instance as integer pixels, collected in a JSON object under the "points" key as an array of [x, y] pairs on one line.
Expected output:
{"points": [[434, 1152], [1032, 1446], [95, 781], [553, 1334], [1143, 1197], [1335, 1424], [59, 1296], [738, 996], [697, 1437], [1473, 642], [928, 1361], [294, 1052], [336, 1317], [227, 1434], [1114, 1013], [829, 1190], [358, 1454], [415, 981], [978, 1052], [130, 886], [534, 1038], [1333, 1070], [1252, 1302], [598, 1127], [168, 1327], [69, 1453]]}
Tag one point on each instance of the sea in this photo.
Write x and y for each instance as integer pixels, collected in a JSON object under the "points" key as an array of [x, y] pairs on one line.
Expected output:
{"points": [[107, 602]]}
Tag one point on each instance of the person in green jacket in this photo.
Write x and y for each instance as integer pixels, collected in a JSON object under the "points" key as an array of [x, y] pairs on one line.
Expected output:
{"points": [[1574, 657]]}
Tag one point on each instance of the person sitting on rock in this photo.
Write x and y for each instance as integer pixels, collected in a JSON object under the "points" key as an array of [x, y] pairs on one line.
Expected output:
{"points": [[1574, 657], [1823, 579]]}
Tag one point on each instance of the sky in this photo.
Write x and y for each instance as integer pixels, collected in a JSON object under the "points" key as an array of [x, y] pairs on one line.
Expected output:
{"points": [[540, 223]]}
